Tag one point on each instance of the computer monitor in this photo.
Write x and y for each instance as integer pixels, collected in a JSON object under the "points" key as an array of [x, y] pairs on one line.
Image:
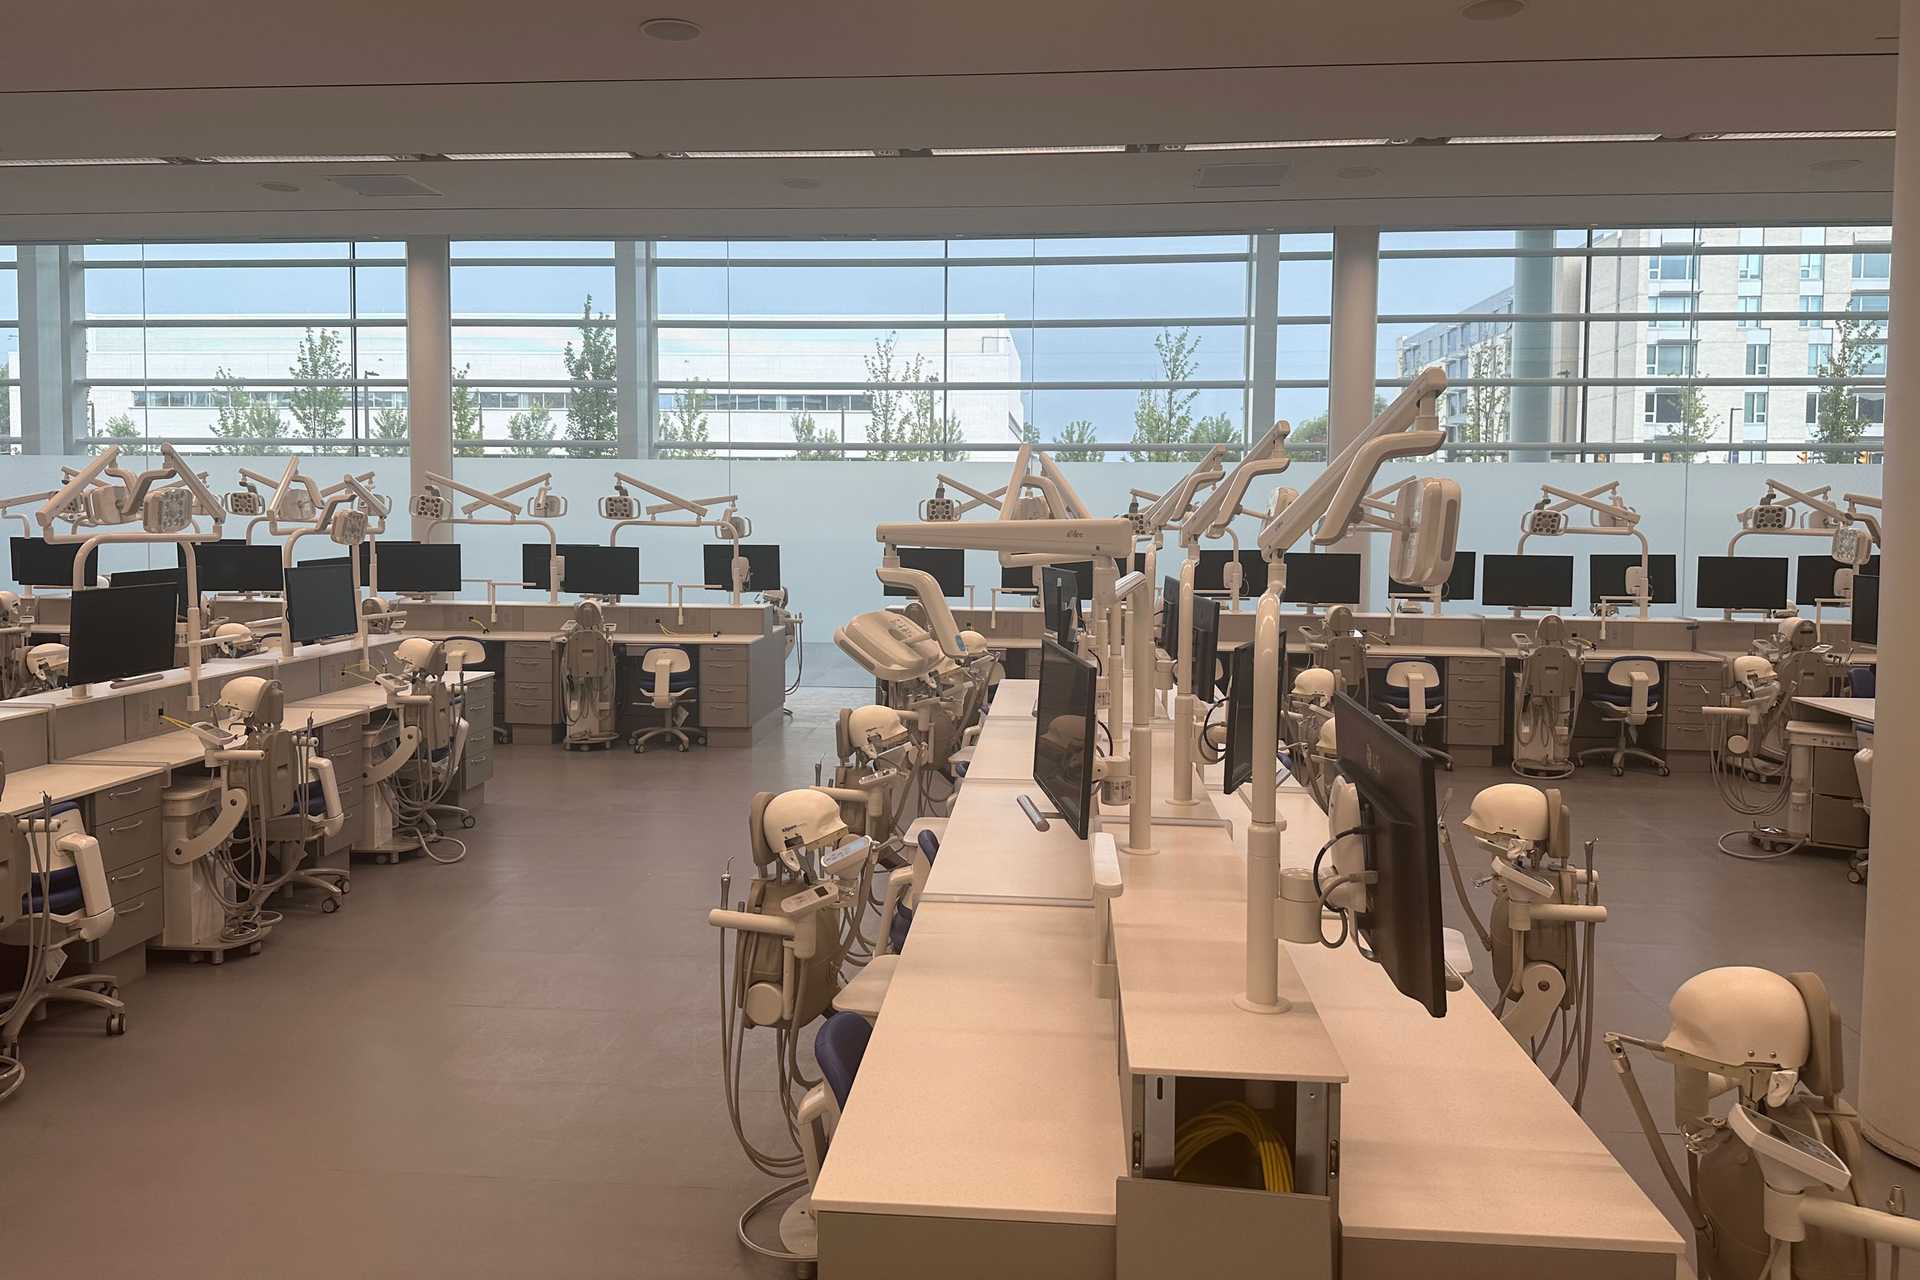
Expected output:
{"points": [[535, 561], [320, 603], [366, 559], [1209, 572], [948, 565], [175, 578], [116, 633], [1458, 586], [1400, 813], [1814, 577], [233, 565], [1169, 637], [1063, 737], [1741, 582], [1327, 578], [600, 571], [1059, 604], [763, 565], [1866, 609], [1206, 648], [1237, 756], [39, 563], [1527, 582], [1607, 576], [419, 566], [1020, 577]]}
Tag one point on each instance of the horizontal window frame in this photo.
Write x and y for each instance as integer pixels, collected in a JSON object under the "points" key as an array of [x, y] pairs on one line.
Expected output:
{"points": [[246, 322], [779, 385]]}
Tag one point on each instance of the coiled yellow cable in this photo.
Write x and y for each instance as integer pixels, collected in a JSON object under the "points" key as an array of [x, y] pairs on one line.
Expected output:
{"points": [[1231, 1120]]}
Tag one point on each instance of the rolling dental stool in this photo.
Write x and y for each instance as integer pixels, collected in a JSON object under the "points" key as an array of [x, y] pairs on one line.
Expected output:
{"points": [[1412, 699], [1629, 703], [669, 687]]}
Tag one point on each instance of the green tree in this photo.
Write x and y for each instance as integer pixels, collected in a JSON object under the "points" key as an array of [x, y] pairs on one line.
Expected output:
{"points": [[1077, 432], [467, 429], [531, 432], [1857, 347], [390, 423], [241, 419], [683, 431], [1024, 432], [930, 426], [1692, 428], [813, 441], [1217, 428], [1165, 415], [887, 411], [119, 429], [1487, 420], [1308, 439], [318, 409], [592, 407]]}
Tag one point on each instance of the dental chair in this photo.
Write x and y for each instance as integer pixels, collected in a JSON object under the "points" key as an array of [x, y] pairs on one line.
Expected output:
{"points": [[1544, 694], [866, 992], [1410, 685], [669, 688], [68, 900], [839, 1047], [1628, 703]]}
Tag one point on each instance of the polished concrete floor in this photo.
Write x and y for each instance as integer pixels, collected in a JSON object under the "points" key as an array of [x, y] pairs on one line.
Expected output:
{"points": [[510, 1066]]}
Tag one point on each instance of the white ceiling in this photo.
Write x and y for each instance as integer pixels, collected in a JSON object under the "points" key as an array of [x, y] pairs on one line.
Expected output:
{"points": [[213, 77]]}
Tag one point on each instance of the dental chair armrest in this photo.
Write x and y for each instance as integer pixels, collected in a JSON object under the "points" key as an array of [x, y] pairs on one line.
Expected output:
{"points": [[96, 914], [322, 770], [898, 888]]}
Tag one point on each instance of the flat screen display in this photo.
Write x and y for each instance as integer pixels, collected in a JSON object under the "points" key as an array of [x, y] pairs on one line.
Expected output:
{"points": [[1169, 637], [117, 633], [763, 565], [320, 603], [1458, 586], [419, 566], [1209, 574], [233, 565], [39, 563], [175, 578], [1082, 571], [1329, 578], [1866, 609], [948, 565], [1063, 734], [1238, 755], [591, 569], [1814, 575], [1741, 582], [1206, 648], [1527, 582], [1607, 576], [1059, 606]]}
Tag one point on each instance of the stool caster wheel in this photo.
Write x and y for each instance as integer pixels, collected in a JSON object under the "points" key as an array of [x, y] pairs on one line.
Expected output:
{"points": [[253, 949], [1665, 772], [346, 887], [1619, 773], [683, 748], [329, 905], [116, 1024], [466, 823]]}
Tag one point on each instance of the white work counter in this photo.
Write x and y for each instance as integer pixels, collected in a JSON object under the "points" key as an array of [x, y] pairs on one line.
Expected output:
{"points": [[68, 781], [1858, 710], [1014, 699], [990, 852]]}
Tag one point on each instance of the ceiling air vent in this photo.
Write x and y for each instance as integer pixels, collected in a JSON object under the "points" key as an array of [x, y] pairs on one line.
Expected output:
{"points": [[382, 184], [1242, 175]]}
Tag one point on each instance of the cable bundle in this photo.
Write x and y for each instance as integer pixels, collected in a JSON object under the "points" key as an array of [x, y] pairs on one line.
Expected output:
{"points": [[1235, 1120]]}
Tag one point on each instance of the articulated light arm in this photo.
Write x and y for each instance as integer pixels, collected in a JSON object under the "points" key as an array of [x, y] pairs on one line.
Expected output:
{"points": [[670, 501], [975, 497], [1065, 539], [1171, 507], [1268, 457], [480, 497], [1603, 500]]}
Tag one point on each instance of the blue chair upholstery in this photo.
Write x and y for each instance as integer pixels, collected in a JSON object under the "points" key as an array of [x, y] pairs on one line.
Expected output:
{"points": [[1860, 680], [62, 884], [838, 1046], [930, 845], [1623, 697], [897, 931]]}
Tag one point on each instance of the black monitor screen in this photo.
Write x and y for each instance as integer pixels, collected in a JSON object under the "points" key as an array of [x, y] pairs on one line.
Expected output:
{"points": [[320, 603], [1866, 609], [1238, 754], [1017, 577], [1328, 578], [120, 632], [1082, 570], [535, 560], [1814, 578], [1063, 738], [1169, 638], [39, 563], [948, 565], [1206, 648], [1458, 586], [1741, 582], [1209, 574], [1059, 606], [233, 565], [419, 566], [1527, 582], [763, 565], [600, 571], [366, 560], [1607, 576], [175, 578], [1400, 812]]}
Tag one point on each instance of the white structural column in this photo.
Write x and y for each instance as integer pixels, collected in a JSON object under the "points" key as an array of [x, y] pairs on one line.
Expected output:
{"points": [[1352, 359], [1890, 1020], [429, 364], [1264, 340]]}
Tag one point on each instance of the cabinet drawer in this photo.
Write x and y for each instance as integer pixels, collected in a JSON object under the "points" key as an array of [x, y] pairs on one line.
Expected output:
{"points": [[728, 672], [351, 797], [1470, 688], [723, 690], [131, 881], [541, 649], [735, 654], [478, 769], [1458, 667], [1475, 730], [1834, 775], [131, 797], [134, 921], [1839, 823], [526, 691], [129, 839], [338, 734], [537, 669], [349, 760], [723, 713], [1708, 673], [531, 710], [1684, 735]]}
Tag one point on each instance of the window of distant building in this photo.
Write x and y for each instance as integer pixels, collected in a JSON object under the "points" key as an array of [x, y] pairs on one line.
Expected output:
{"points": [[1670, 266], [1818, 353], [1872, 266], [1754, 409], [1670, 359], [1813, 266], [1750, 266], [1747, 305], [1811, 302], [1675, 305], [1662, 408], [1759, 359]]}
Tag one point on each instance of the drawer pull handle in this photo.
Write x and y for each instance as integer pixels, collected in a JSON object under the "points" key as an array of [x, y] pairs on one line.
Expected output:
{"points": [[133, 825], [130, 908], [124, 792], [127, 875]]}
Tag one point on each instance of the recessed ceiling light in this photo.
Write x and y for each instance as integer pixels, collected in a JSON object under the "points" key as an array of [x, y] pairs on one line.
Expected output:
{"points": [[766, 155], [1495, 140], [79, 163], [367, 159], [1798, 135], [279, 186], [801, 184], [539, 155], [1492, 10], [1833, 166], [677, 30], [1027, 151], [1287, 144], [1353, 173]]}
